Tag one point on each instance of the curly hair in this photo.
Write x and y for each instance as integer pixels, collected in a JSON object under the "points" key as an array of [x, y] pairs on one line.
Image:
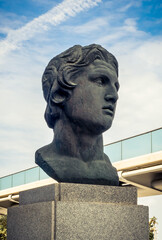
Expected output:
{"points": [[59, 77]]}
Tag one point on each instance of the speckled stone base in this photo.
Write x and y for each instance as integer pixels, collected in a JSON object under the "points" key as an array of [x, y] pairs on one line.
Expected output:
{"points": [[76, 211]]}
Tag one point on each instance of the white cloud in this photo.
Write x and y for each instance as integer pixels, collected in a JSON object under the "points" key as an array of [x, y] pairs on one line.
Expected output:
{"points": [[124, 31], [140, 96], [23, 129], [88, 27], [58, 14], [106, 29], [22, 103], [129, 5], [9, 21]]}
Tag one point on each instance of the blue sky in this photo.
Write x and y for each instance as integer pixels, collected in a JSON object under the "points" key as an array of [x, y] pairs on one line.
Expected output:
{"points": [[34, 31]]}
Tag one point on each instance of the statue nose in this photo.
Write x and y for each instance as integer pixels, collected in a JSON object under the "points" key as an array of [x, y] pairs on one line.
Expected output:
{"points": [[111, 97]]}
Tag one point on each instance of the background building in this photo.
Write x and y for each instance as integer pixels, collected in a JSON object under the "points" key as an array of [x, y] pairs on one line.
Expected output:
{"points": [[138, 161]]}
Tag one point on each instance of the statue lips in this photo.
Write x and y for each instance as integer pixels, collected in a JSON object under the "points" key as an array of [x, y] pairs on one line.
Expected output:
{"points": [[109, 110]]}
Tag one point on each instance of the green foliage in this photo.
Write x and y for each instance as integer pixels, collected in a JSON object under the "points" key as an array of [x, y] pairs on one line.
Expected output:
{"points": [[152, 227], [3, 227]]}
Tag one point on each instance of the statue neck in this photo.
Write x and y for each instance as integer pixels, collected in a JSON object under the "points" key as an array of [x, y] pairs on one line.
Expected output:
{"points": [[70, 140]]}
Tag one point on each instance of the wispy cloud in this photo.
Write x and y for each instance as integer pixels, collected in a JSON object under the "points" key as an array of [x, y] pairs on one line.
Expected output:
{"points": [[129, 5], [21, 100], [141, 86], [58, 14], [88, 27], [107, 31], [127, 30], [23, 129]]}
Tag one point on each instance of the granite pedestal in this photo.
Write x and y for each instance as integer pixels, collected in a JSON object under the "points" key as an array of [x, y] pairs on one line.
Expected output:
{"points": [[65, 211]]}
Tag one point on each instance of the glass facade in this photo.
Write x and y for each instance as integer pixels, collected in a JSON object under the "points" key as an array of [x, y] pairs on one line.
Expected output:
{"points": [[157, 140], [43, 175], [18, 179], [6, 182], [128, 148], [32, 175], [113, 151], [23, 177], [135, 146]]}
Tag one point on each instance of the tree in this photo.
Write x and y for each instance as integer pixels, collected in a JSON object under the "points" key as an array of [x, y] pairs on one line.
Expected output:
{"points": [[3, 227], [152, 227]]}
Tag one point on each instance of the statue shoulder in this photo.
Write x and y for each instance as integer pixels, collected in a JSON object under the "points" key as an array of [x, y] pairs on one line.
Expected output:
{"points": [[45, 152], [46, 156]]}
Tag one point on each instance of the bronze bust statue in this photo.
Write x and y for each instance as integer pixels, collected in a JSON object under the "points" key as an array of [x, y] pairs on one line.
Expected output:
{"points": [[80, 86]]}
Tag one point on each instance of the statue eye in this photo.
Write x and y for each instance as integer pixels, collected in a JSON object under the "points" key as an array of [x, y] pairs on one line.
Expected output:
{"points": [[100, 81]]}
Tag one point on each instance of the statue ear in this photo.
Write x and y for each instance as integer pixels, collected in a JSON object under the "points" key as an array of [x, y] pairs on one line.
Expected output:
{"points": [[59, 97]]}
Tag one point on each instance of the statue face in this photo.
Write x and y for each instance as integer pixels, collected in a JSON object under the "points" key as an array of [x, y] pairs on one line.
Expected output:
{"points": [[93, 101]]}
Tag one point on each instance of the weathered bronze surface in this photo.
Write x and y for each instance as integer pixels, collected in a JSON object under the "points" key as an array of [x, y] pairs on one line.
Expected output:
{"points": [[80, 86]]}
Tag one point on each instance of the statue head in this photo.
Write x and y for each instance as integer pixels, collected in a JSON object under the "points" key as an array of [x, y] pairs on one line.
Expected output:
{"points": [[80, 87], [61, 76]]}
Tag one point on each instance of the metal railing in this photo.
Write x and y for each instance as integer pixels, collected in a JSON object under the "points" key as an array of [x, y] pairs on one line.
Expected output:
{"points": [[135, 146], [127, 148]]}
